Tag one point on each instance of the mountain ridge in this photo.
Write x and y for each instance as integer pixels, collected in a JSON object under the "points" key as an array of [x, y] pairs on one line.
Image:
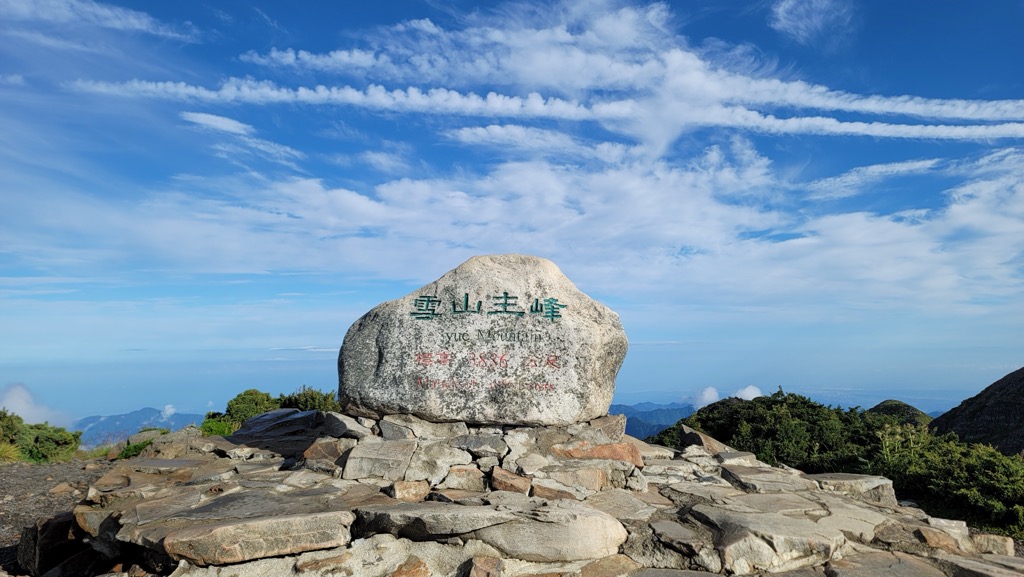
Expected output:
{"points": [[100, 430], [995, 416]]}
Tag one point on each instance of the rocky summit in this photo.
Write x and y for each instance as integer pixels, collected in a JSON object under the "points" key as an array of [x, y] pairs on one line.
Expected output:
{"points": [[475, 443], [318, 494], [501, 339]]}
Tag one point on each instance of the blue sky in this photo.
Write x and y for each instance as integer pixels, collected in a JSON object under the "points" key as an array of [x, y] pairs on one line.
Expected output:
{"points": [[201, 197]]}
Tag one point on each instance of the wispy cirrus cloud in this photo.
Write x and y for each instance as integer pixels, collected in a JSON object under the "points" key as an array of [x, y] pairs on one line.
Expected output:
{"points": [[622, 67], [553, 94], [811, 21], [412, 99], [218, 123], [242, 140], [512, 138], [644, 119], [855, 181], [87, 12]]}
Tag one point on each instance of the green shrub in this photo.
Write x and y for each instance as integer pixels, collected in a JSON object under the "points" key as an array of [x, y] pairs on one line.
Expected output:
{"points": [[248, 404], [950, 478], [946, 477], [252, 402], [134, 450], [10, 427], [41, 443], [217, 425], [307, 399], [787, 428]]}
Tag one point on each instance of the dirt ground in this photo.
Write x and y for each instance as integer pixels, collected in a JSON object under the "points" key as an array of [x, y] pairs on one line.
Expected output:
{"points": [[30, 492]]}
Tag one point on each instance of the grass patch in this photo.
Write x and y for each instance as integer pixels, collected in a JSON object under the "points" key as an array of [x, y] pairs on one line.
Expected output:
{"points": [[99, 452], [10, 453], [133, 450]]}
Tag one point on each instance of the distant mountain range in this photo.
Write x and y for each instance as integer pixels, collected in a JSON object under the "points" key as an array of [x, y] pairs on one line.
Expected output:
{"points": [[98, 430], [646, 419], [642, 421]]}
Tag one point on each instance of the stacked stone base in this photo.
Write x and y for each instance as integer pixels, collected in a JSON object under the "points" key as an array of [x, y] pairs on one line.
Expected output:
{"points": [[317, 494]]}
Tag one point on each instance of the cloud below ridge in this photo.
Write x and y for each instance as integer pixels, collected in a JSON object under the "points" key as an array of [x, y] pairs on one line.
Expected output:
{"points": [[17, 399]]}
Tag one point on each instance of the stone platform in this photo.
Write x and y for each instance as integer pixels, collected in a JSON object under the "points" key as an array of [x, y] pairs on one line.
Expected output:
{"points": [[327, 494]]}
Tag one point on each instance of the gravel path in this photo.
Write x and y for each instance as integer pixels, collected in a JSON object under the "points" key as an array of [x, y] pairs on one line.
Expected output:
{"points": [[29, 492]]}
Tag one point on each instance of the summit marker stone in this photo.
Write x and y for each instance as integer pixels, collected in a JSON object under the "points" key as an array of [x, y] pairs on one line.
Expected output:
{"points": [[501, 339]]}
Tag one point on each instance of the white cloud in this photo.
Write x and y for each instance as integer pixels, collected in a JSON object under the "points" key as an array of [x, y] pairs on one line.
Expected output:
{"points": [[92, 13], [686, 93], [621, 66], [708, 225], [511, 138], [12, 80], [706, 397], [855, 181], [411, 99], [336, 60], [218, 123], [243, 143], [17, 399], [748, 393], [168, 411], [55, 42], [386, 162], [622, 87], [809, 21], [517, 136]]}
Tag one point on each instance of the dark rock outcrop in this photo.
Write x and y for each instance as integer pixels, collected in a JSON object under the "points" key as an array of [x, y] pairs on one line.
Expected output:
{"points": [[994, 416]]}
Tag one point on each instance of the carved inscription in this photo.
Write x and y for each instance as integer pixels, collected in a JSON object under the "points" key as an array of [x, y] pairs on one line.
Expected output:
{"points": [[490, 360], [451, 384], [487, 358], [425, 307]]}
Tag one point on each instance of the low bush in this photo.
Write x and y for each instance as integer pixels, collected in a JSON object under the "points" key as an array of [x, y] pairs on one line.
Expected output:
{"points": [[41, 443], [248, 404], [252, 402], [218, 424], [10, 427], [307, 399]]}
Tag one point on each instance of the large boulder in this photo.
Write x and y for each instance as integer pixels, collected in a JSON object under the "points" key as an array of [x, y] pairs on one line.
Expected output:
{"points": [[502, 339]]}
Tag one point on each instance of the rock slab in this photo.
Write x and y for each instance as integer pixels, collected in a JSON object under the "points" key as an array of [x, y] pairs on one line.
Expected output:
{"points": [[501, 339]]}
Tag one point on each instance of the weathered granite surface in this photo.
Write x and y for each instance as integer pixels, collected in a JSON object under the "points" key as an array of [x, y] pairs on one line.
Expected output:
{"points": [[457, 500], [502, 339]]}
